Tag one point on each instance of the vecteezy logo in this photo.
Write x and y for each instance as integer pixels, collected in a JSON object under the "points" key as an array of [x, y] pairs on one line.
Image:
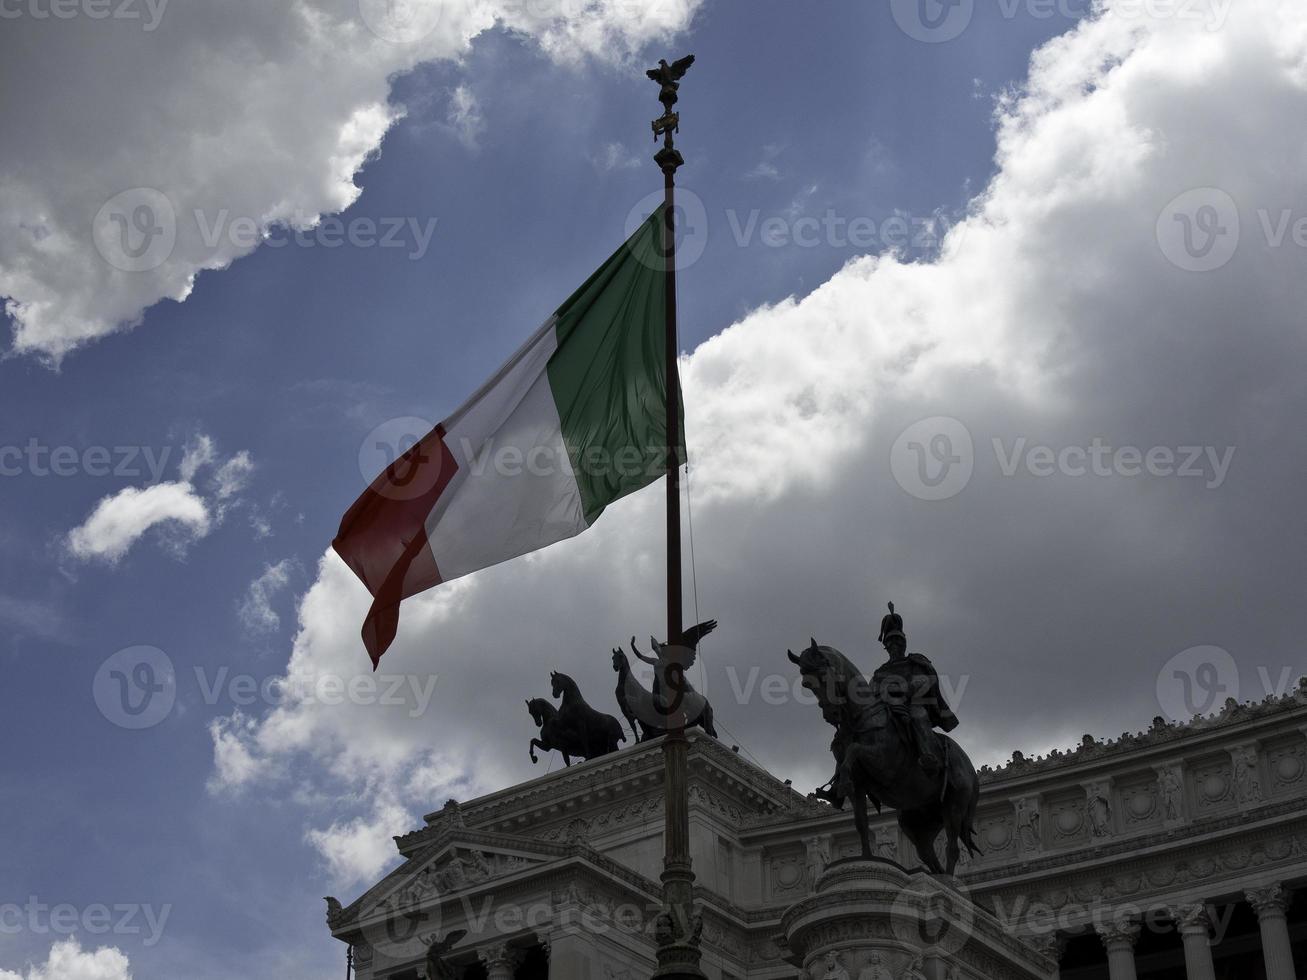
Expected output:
{"points": [[136, 687], [927, 913], [1197, 681], [1199, 230], [136, 230], [933, 459], [396, 446], [933, 21], [401, 21], [691, 223]]}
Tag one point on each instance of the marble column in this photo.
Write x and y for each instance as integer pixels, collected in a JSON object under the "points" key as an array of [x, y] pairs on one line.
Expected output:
{"points": [[1194, 924], [1271, 903], [1119, 940], [499, 960]]}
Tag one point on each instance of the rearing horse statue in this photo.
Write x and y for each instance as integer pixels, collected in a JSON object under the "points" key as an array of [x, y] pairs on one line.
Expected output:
{"points": [[874, 759], [593, 731]]}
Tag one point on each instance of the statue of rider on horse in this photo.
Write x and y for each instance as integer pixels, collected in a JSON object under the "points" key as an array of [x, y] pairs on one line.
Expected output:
{"points": [[886, 746], [908, 683]]}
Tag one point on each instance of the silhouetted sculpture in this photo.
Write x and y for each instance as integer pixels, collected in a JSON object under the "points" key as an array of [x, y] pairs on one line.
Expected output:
{"points": [[553, 736], [668, 78], [334, 910], [891, 628], [908, 683], [670, 662], [596, 732], [875, 759], [632, 699], [436, 967]]}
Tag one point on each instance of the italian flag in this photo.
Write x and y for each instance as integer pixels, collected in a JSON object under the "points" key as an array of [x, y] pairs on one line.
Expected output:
{"points": [[573, 421]]}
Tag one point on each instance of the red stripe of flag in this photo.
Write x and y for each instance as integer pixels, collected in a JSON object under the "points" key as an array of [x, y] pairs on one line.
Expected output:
{"points": [[383, 536]]}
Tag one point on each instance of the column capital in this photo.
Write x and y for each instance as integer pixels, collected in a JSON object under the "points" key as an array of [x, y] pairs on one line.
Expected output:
{"points": [[1118, 934], [1191, 917], [498, 955], [1269, 900]]}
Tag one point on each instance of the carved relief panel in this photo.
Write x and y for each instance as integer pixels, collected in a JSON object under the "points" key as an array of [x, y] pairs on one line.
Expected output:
{"points": [[1068, 823], [786, 875], [1286, 765], [997, 835], [1212, 780], [1141, 802]]}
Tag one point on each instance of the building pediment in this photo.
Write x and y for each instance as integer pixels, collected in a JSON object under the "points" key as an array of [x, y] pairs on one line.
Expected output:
{"points": [[455, 862]]}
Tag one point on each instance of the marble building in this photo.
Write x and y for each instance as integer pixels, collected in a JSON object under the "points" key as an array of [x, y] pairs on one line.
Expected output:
{"points": [[1176, 853]]}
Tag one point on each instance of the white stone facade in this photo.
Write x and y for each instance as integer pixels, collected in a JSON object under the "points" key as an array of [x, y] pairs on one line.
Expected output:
{"points": [[1166, 835]]}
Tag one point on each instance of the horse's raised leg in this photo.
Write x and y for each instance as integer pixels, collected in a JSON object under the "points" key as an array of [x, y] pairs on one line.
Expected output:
{"points": [[536, 744]]}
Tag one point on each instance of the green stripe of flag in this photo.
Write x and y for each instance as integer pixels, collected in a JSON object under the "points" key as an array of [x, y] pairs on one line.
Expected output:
{"points": [[608, 377]]}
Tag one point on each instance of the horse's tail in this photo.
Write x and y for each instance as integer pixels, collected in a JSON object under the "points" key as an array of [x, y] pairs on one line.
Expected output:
{"points": [[963, 782]]}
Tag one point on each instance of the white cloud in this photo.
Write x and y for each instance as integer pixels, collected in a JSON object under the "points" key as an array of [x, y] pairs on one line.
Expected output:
{"points": [[36, 617], [121, 519], [255, 609], [179, 511], [355, 849], [614, 156], [234, 765], [766, 169], [233, 475], [465, 116], [1052, 314], [67, 961], [83, 253], [199, 452]]}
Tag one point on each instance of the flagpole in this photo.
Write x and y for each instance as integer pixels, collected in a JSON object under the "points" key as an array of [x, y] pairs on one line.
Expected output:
{"points": [[677, 928]]}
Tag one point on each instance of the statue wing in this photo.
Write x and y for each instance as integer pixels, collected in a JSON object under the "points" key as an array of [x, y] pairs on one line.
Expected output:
{"points": [[655, 73], [694, 634], [448, 943], [681, 64]]}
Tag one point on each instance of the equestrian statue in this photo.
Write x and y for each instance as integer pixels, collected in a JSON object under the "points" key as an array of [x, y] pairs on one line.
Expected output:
{"points": [[887, 748]]}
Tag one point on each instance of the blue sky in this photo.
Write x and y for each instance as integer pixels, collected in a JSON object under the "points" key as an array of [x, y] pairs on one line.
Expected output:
{"points": [[529, 162]]}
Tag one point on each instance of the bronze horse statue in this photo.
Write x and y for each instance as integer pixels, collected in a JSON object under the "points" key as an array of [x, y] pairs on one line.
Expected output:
{"points": [[573, 728], [598, 733], [632, 698], [553, 737], [874, 759]]}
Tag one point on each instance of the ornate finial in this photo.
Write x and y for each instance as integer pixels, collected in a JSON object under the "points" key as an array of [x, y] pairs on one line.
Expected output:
{"points": [[668, 78]]}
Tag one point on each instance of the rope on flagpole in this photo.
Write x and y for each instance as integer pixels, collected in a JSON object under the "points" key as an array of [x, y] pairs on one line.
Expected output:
{"points": [[694, 585]]}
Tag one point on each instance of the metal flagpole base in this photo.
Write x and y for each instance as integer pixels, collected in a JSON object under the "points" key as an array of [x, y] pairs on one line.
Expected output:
{"points": [[678, 926]]}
